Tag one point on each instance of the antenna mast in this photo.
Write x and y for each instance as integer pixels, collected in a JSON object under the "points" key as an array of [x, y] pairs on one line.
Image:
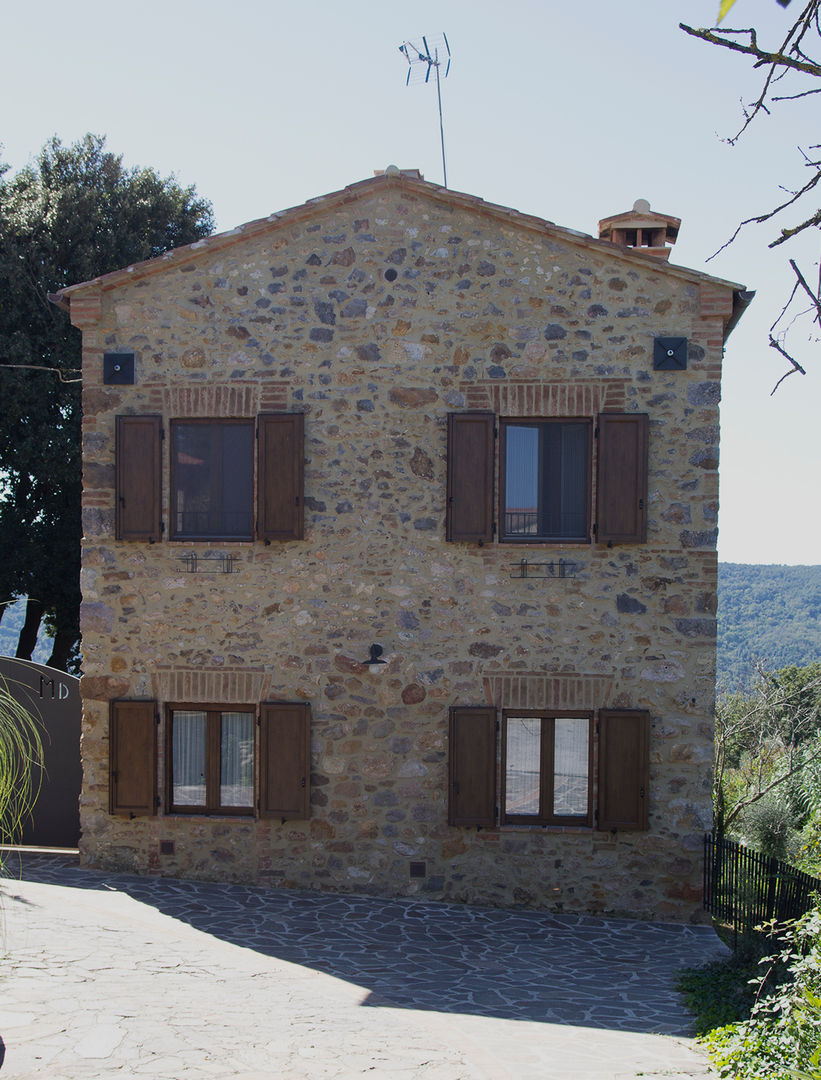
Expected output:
{"points": [[420, 62]]}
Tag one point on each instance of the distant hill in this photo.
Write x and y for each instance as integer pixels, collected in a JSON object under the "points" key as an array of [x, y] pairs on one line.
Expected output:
{"points": [[766, 613]]}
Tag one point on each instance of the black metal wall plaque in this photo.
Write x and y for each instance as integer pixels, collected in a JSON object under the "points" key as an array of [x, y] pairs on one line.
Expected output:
{"points": [[118, 368], [670, 354]]}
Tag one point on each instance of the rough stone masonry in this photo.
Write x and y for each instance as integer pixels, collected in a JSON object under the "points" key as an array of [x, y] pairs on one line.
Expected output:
{"points": [[375, 312]]}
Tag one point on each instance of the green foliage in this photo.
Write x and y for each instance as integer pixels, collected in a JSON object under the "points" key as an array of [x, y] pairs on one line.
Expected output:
{"points": [[768, 826], [766, 613], [767, 775], [781, 1038], [720, 993], [75, 213], [21, 753]]}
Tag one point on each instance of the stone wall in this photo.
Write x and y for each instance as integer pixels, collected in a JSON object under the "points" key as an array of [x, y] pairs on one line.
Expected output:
{"points": [[376, 315]]}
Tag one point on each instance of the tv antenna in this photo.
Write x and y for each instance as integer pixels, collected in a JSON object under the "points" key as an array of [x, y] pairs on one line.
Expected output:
{"points": [[421, 61]]}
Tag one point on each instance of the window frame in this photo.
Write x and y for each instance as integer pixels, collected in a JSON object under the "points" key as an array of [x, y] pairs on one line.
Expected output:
{"points": [[547, 776], [213, 747], [249, 424], [538, 423]]}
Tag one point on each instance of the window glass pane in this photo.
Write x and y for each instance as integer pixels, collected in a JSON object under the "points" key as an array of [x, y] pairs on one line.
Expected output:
{"points": [[521, 480], [523, 768], [188, 758], [213, 479], [546, 479], [564, 480], [237, 759], [570, 763], [573, 498]]}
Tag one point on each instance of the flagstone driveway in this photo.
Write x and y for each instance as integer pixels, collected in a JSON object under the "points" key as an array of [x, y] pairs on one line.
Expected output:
{"points": [[117, 975]]}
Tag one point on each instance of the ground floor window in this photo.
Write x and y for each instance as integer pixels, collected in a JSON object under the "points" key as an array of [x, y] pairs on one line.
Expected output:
{"points": [[220, 759], [211, 760], [546, 769], [533, 767]]}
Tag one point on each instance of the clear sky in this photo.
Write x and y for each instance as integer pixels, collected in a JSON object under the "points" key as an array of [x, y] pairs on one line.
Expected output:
{"points": [[570, 111]]}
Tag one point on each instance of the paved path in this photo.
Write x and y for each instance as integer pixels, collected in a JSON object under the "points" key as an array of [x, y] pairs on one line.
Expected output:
{"points": [[110, 975]]}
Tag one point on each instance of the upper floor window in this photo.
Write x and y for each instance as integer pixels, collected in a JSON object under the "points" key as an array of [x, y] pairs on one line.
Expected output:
{"points": [[546, 479], [547, 468], [230, 479], [212, 477]]}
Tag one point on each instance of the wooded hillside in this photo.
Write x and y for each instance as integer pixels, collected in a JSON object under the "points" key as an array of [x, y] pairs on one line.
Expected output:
{"points": [[766, 613]]}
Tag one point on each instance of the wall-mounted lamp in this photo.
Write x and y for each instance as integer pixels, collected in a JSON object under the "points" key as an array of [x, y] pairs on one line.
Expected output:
{"points": [[375, 658]]}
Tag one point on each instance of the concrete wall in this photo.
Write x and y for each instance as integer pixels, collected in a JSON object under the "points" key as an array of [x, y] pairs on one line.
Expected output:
{"points": [[483, 312]]}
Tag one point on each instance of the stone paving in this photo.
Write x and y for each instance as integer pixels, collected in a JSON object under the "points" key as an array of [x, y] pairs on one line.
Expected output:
{"points": [[113, 974]]}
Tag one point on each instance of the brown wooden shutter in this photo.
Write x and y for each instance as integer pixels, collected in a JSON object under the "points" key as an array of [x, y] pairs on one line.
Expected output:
{"points": [[285, 760], [472, 766], [280, 481], [133, 758], [624, 768], [470, 476], [139, 478], [622, 478]]}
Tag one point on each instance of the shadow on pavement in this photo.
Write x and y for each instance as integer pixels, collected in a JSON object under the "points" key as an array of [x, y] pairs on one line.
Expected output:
{"points": [[522, 965]]}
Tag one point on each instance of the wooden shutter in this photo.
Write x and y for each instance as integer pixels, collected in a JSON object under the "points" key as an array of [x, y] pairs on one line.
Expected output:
{"points": [[285, 760], [139, 478], [472, 766], [470, 476], [133, 758], [281, 466], [624, 768], [622, 478]]}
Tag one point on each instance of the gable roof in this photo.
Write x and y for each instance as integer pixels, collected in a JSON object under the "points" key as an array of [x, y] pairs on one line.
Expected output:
{"points": [[403, 180]]}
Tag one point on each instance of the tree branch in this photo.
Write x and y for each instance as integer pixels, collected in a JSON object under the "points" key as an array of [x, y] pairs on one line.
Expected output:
{"points": [[777, 60], [42, 367]]}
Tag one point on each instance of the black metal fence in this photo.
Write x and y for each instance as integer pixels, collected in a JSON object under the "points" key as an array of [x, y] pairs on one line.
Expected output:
{"points": [[743, 888]]}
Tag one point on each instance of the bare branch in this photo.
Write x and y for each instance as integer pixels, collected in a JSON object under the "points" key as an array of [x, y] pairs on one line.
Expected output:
{"points": [[795, 365], [54, 370], [777, 59], [807, 290], [788, 234], [794, 97]]}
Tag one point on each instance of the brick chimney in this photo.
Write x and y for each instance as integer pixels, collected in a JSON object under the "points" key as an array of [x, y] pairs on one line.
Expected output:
{"points": [[641, 228]]}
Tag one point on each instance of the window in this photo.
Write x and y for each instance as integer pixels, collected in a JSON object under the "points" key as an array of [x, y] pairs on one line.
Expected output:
{"points": [[546, 470], [546, 769], [219, 759], [546, 480], [215, 474], [212, 479], [211, 760], [546, 765]]}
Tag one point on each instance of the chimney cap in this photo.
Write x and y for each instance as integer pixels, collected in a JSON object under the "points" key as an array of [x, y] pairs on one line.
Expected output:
{"points": [[642, 229], [394, 170]]}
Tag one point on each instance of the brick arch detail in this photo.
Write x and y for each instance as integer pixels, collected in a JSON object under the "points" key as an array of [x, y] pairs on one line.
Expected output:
{"points": [[534, 690], [236, 686], [546, 399], [214, 400]]}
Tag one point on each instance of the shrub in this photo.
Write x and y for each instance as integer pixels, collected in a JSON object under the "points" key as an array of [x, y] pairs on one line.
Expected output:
{"points": [[21, 751], [781, 1040]]}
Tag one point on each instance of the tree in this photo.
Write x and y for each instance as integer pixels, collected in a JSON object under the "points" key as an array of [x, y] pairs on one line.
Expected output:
{"points": [[765, 739], [75, 213], [789, 72]]}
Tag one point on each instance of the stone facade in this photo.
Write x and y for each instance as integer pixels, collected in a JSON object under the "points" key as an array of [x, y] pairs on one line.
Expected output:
{"points": [[376, 312]]}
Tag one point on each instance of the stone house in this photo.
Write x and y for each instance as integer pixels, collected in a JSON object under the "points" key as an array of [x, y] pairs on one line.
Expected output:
{"points": [[399, 565]]}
